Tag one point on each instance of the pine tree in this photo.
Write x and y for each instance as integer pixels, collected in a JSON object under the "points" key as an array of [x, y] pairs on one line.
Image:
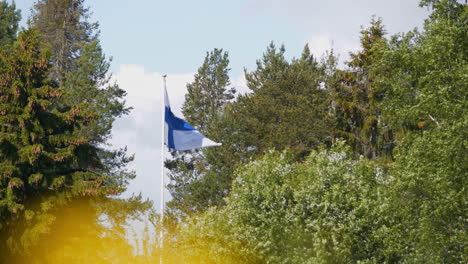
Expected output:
{"points": [[209, 92], [287, 109], [9, 18], [206, 97]]}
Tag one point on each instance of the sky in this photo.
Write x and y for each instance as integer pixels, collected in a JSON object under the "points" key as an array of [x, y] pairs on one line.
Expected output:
{"points": [[149, 38]]}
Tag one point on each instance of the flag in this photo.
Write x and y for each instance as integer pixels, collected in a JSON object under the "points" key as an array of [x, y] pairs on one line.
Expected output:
{"points": [[179, 134]]}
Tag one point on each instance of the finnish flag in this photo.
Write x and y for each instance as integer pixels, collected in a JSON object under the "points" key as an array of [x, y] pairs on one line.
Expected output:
{"points": [[179, 134]]}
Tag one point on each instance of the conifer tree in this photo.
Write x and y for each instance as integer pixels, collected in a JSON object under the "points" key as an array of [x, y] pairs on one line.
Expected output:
{"points": [[286, 109], [356, 100], [81, 68], [209, 92], [42, 160], [206, 97], [86, 83], [65, 26], [9, 18]]}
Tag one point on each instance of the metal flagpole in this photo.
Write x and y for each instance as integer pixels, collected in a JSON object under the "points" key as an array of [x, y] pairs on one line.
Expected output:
{"points": [[163, 131]]}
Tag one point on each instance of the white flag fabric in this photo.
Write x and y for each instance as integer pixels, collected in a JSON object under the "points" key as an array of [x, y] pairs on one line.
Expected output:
{"points": [[179, 134]]}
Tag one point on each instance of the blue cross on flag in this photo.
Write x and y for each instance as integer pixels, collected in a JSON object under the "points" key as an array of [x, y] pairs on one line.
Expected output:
{"points": [[179, 134]]}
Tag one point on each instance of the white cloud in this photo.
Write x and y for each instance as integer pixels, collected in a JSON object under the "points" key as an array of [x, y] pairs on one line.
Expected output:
{"points": [[240, 83], [321, 43]]}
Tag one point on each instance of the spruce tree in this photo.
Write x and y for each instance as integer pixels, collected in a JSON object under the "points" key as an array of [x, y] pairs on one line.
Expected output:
{"points": [[9, 18], [42, 160], [356, 100], [65, 26], [81, 68], [86, 83]]}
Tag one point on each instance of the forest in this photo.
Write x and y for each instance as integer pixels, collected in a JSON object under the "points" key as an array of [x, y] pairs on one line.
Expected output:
{"points": [[319, 163]]}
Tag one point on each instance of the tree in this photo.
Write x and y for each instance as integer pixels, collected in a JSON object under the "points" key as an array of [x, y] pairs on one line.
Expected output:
{"points": [[65, 26], [330, 205], [9, 18], [425, 79], [356, 100], [321, 210], [426, 200], [209, 92], [286, 109], [90, 83], [79, 64], [204, 102], [41, 158], [38, 151], [82, 70], [50, 177], [424, 73]]}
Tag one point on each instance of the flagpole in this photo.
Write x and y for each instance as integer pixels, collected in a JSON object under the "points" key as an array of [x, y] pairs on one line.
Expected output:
{"points": [[163, 103]]}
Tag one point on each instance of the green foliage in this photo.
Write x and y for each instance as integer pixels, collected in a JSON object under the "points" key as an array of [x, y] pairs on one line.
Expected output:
{"points": [[79, 63], [65, 26], [356, 99], [288, 108], [57, 107], [206, 97], [42, 160], [332, 208], [278, 190], [209, 91], [405, 97], [9, 18], [426, 205], [90, 83], [279, 211], [82, 71], [424, 74]]}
